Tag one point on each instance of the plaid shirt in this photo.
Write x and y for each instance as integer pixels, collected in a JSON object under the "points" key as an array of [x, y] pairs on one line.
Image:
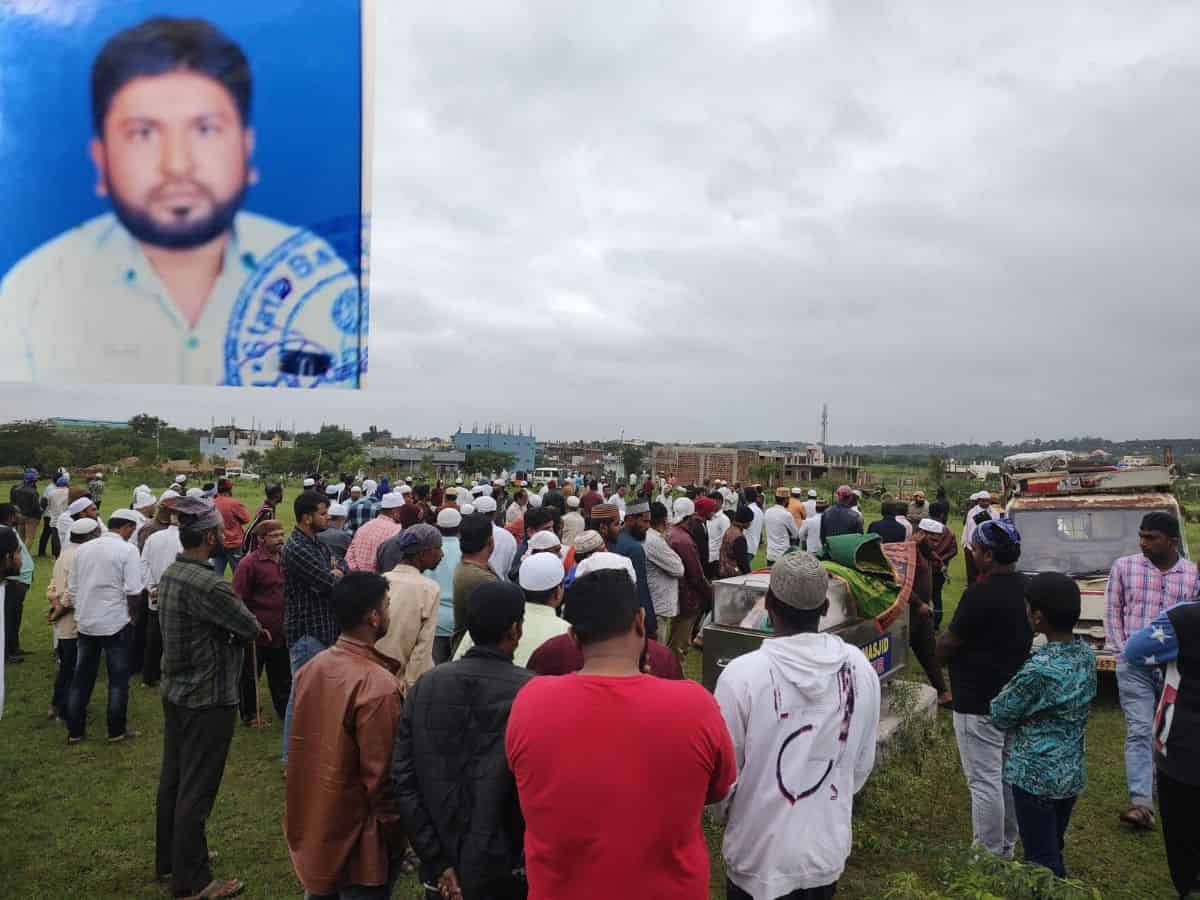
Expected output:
{"points": [[1138, 591], [308, 582], [205, 627], [361, 555], [360, 513]]}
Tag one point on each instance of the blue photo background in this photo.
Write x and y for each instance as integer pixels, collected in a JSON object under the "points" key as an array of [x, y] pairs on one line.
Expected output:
{"points": [[305, 59]]}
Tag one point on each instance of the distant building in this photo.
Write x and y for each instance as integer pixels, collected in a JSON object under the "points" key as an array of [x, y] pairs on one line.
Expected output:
{"points": [[692, 465], [446, 463], [232, 443], [88, 423], [522, 446], [979, 470]]}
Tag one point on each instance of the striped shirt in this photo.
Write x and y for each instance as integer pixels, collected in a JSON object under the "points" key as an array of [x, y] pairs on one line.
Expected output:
{"points": [[1138, 591], [361, 555], [360, 513]]}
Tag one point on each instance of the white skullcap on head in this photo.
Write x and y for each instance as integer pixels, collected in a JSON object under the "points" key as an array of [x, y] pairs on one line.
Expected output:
{"points": [[179, 479], [683, 507], [144, 499], [544, 540], [332, 490], [124, 515], [80, 505], [933, 526], [195, 492], [369, 486], [476, 490], [535, 500], [467, 509], [449, 518], [604, 560], [572, 502], [984, 495], [485, 505], [404, 489], [392, 500], [84, 526], [541, 572], [338, 509], [356, 487], [168, 494], [310, 482], [812, 493], [486, 490]]}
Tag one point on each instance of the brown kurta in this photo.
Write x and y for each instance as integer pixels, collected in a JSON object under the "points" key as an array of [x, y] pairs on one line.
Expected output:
{"points": [[341, 817]]}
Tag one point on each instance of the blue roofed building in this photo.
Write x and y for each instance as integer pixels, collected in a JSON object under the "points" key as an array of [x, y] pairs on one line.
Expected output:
{"points": [[522, 446]]}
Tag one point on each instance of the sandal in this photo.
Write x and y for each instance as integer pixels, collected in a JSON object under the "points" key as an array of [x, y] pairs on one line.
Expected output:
{"points": [[216, 889], [1139, 817]]}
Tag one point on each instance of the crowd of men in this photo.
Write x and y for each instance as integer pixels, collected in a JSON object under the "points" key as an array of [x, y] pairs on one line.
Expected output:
{"points": [[401, 629]]}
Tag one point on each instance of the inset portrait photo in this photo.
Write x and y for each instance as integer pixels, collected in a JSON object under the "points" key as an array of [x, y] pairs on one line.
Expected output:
{"points": [[184, 192]]}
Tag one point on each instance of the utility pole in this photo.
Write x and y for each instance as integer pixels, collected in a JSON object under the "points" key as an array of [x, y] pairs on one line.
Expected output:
{"points": [[824, 424]]}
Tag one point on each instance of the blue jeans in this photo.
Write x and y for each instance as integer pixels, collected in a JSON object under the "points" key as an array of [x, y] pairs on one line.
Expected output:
{"points": [[1043, 823], [230, 555], [1139, 690], [299, 654], [115, 648]]}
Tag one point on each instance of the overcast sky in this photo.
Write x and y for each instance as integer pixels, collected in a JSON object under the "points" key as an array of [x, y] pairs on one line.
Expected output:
{"points": [[699, 221]]}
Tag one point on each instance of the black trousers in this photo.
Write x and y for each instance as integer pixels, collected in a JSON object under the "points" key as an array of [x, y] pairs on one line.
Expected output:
{"points": [[152, 658], [441, 650], [939, 582], [67, 652], [14, 611], [137, 653], [279, 679], [49, 533], [195, 746], [1179, 806], [733, 892], [924, 647]]}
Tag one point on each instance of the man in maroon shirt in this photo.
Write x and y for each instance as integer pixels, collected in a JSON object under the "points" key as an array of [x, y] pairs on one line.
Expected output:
{"points": [[695, 593], [613, 767], [258, 581], [562, 656], [590, 499]]}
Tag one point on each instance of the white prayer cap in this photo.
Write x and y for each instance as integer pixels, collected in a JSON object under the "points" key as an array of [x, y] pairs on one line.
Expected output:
{"points": [[310, 482], [544, 540], [369, 486], [168, 494], [338, 510], [812, 494], [356, 489], [449, 518], [476, 491], [683, 508], [535, 500], [486, 490], [933, 526], [541, 572], [142, 489], [467, 509], [796, 492], [458, 481], [179, 479], [195, 492], [84, 526], [983, 495], [124, 515], [80, 505], [404, 489], [332, 490], [485, 505], [572, 502], [392, 500], [498, 482], [143, 500], [603, 560]]}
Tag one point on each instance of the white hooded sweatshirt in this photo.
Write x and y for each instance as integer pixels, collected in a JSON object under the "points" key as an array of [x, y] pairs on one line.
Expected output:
{"points": [[803, 712]]}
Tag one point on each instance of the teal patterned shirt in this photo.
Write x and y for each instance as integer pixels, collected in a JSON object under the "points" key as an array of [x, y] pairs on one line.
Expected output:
{"points": [[1046, 705]]}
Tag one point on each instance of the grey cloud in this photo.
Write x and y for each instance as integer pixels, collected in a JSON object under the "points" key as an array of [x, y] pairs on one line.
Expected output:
{"points": [[702, 221]]}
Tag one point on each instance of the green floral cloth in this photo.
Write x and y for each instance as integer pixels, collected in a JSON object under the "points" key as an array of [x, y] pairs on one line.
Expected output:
{"points": [[1046, 704]]}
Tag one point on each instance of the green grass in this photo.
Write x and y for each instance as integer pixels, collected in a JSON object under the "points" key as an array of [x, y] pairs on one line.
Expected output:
{"points": [[79, 821]]}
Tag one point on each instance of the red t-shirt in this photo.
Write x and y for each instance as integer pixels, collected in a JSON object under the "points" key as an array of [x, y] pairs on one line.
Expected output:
{"points": [[560, 656], [234, 515], [612, 775]]}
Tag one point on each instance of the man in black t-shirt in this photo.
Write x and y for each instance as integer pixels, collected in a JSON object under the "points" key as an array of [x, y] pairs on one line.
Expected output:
{"points": [[986, 643]]}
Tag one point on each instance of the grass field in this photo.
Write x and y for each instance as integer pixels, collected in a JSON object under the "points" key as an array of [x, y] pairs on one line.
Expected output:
{"points": [[79, 821]]}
